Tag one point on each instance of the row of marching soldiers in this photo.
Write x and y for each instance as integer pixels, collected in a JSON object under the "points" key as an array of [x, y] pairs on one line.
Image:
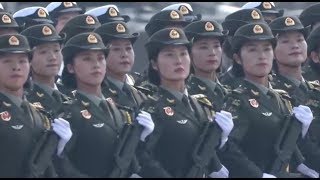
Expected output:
{"points": [[179, 120]]}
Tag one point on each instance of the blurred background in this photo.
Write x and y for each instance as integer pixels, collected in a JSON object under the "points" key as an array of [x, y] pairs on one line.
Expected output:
{"points": [[141, 12]]}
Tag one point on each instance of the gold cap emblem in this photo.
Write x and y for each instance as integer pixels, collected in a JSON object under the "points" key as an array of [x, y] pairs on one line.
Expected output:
{"points": [[174, 15], [174, 34], [184, 10], [120, 28], [6, 19], [266, 5], [67, 4], [90, 20], [14, 41], [289, 22], [255, 15], [42, 13], [92, 39], [257, 29], [113, 12], [46, 31], [209, 26]]}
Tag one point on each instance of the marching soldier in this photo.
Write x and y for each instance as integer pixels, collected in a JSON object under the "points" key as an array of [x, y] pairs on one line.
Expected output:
{"points": [[311, 68], [268, 10], [45, 64], [310, 16], [62, 12], [96, 120], [234, 75], [260, 113], [108, 13], [186, 10], [290, 54], [207, 38], [8, 24], [178, 116], [30, 16], [22, 126], [120, 58]]}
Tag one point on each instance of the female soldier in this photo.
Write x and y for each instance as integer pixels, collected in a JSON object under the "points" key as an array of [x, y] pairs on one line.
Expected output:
{"points": [[116, 36], [97, 123], [180, 121], [207, 38], [290, 54], [22, 126], [260, 112], [45, 64]]}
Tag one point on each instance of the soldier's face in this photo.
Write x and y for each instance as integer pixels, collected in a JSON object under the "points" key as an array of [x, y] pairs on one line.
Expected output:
{"points": [[291, 49], [89, 68], [120, 57], [256, 58], [46, 60], [206, 54], [173, 63], [64, 18], [14, 71]]}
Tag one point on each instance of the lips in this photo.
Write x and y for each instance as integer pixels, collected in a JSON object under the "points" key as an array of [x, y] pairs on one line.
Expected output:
{"points": [[16, 76], [52, 65], [179, 69], [295, 53]]}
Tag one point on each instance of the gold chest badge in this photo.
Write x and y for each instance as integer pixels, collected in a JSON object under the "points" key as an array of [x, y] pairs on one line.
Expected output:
{"points": [[254, 103], [169, 111], [5, 115], [86, 114]]}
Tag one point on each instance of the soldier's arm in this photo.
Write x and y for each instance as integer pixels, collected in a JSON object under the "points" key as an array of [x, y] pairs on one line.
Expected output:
{"points": [[232, 156]]}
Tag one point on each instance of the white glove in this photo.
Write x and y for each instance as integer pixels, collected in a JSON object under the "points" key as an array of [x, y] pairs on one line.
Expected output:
{"points": [[145, 120], [62, 128], [303, 169], [222, 173], [305, 116], [224, 120], [134, 175], [266, 175]]}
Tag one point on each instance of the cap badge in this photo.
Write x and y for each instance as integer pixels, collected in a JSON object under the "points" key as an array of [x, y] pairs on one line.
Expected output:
{"points": [[46, 31], [14, 41], [209, 26], [257, 29], [184, 10], [6, 19], [174, 34], [42, 13], [254, 103], [266, 5], [113, 12], [174, 15], [120, 28], [86, 114], [90, 20], [67, 4], [255, 15], [5, 115], [92, 39], [169, 111], [289, 22]]}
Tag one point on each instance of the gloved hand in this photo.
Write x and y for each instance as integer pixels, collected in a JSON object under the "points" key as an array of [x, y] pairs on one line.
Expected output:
{"points": [[62, 128], [222, 173], [144, 119], [305, 116], [224, 120], [266, 175], [303, 169], [134, 175]]}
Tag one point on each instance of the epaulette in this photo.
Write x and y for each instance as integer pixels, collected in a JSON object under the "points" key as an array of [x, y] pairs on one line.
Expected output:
{"points": [[283, 93], [143, 89], [37, 106], [202, 99]]}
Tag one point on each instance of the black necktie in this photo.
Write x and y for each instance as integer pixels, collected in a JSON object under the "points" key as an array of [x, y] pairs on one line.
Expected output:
{"points": [[57, 96], [186, 102]]}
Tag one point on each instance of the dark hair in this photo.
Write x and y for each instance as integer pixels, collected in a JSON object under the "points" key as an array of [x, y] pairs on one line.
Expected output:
{"points": [[69, 79]]}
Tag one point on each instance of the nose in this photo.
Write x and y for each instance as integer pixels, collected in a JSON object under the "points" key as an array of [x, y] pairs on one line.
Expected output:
{"points": [[16, 67], [124, 53]]}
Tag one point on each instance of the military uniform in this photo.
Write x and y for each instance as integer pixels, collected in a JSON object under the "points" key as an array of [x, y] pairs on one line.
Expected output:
{"points": [[8, 22], [302, 93], [57, 8], [21, 125], [233, 76], [186, 10], [108, 13], [310, 16], [266, 8]]}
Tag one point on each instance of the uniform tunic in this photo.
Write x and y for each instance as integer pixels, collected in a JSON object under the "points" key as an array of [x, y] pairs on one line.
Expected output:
{"points": [[258, 120], [168, 150]]}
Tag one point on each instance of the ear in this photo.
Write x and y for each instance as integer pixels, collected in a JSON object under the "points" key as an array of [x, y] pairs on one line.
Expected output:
{"points": [[154, 65], [237, 58], [70, 68], [315, 57]]}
